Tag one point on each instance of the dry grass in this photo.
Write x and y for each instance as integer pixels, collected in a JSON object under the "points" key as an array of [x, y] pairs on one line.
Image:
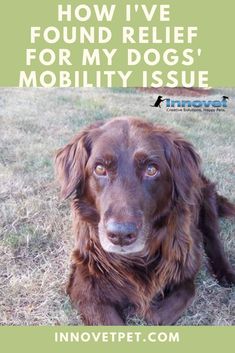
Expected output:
{"points": [[35, 232]]}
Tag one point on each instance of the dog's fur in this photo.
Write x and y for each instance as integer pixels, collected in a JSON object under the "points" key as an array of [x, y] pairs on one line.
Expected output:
{"points": [[170, 215]]}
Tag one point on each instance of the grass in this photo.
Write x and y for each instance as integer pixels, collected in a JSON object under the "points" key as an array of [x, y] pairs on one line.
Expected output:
{"points": [[35, 226]]}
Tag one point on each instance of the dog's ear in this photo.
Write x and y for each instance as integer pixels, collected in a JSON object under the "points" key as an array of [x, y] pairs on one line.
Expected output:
{"points": [[185, 166], [70, 162]]}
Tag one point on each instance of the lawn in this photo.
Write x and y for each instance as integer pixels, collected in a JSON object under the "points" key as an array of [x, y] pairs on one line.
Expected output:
{"points": [[35, 225]]}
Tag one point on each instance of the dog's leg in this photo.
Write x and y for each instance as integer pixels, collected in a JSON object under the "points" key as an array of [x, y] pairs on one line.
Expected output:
{"points": [[209, 226], [87, 299], [168, 310]]}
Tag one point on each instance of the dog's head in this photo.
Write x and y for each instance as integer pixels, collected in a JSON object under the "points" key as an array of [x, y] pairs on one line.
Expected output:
{"points": [[127, 175]]}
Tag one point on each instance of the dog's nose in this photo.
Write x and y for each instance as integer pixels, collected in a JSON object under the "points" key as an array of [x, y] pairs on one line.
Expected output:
{"points": [[121, 233]]}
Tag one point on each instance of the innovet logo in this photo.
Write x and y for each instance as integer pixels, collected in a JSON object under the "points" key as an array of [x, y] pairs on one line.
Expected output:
{"points": [[218, 105]]}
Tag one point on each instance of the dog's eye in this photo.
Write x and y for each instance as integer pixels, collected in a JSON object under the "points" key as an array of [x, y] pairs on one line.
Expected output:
{"points": [[100, 170], [151, 170]]}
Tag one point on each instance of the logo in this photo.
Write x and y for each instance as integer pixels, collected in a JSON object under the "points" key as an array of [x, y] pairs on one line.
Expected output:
{"points": [[192, 105], [158, 102]]}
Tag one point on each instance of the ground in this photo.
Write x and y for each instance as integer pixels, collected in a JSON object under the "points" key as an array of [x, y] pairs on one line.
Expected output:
{"points": [[35, 225]]}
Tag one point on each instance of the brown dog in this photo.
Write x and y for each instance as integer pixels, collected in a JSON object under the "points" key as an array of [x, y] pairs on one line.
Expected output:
{"points": [[142, 209]]}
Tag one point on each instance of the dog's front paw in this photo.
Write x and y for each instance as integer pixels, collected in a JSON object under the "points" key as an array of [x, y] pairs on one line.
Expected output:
{"points": [[226, 278], [152, 317], [162, 315], [159, 317]]}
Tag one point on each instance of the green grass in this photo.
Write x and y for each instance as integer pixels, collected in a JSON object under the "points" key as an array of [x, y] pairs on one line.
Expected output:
{"points": [[35, 226]]}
